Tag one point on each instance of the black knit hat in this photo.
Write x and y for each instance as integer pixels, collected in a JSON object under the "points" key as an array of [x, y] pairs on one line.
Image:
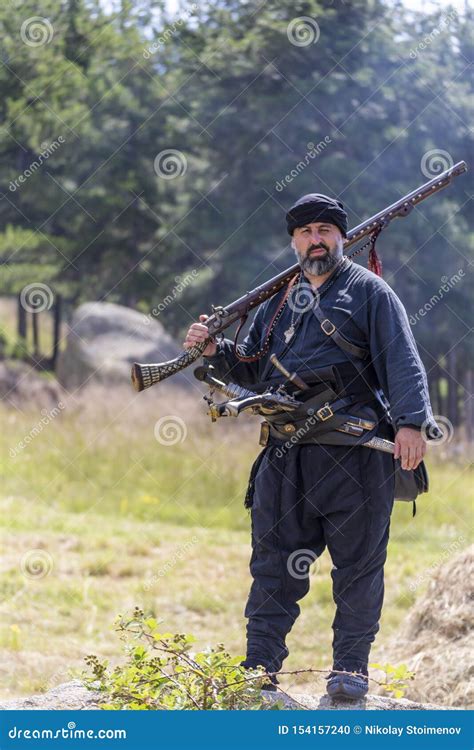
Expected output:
{"points": [[315, 207]]}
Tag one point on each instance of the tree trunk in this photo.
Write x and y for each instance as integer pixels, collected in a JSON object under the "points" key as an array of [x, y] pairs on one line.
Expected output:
{"points": [[56, 330], [36, 352], [22, 324], [469, 406], [434, 388], [451, 367]]}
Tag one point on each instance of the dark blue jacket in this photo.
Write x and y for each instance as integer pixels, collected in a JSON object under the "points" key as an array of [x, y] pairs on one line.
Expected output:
{"points": [[366, 311]]}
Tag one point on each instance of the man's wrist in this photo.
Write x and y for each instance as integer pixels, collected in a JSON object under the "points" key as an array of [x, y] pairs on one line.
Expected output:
{"points": [[429, 429], [216, 353]]}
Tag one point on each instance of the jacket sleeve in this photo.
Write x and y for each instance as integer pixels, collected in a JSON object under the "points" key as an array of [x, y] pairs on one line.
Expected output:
{"points": [[228, 367], [397, 363]]}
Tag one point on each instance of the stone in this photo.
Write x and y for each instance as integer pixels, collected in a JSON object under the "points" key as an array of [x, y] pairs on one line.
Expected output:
{"points": [[103, 341], [73, 695]]}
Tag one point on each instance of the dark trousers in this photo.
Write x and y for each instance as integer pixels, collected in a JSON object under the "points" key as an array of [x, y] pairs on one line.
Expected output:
{"points": [[306, 498]]}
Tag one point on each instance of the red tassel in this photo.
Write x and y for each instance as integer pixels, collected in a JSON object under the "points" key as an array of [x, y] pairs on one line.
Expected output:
{"points": [[374, 264]]}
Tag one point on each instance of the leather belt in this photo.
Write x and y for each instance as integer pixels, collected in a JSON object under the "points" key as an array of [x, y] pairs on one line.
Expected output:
{"points": [[317, 416]]}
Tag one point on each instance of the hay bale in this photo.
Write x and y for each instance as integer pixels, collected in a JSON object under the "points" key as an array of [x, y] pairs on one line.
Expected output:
{"points": [[435, 640]]}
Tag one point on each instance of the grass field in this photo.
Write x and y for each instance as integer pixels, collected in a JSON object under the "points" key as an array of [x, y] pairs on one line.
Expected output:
{"points": [[103, 509]]}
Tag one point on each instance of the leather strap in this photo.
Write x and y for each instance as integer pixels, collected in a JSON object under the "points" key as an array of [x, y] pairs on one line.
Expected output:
{"points": [[350, 348], [321, 408], [261, 352], [330, 330]]}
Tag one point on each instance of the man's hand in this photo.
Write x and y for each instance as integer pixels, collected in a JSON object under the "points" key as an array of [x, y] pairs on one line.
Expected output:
{"points": [[199, 332], [410, 447]]}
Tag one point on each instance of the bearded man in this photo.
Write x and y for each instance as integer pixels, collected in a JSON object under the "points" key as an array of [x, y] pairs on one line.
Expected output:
{"points": [[346, 333]]}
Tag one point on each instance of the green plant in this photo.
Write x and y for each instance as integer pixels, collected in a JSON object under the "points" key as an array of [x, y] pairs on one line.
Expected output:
{"points": [[15, 348], [396, 678], [159, 672]]}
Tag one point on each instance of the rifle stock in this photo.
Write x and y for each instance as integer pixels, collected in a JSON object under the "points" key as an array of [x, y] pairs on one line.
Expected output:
{"points": [[146, 375]]}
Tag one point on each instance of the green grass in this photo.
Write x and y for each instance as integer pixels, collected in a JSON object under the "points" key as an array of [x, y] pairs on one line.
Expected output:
{"points": [[8, 330], [122, 520]]}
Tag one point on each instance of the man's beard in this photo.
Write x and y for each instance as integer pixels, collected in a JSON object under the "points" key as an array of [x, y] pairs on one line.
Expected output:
{"points": [[317, 266]]}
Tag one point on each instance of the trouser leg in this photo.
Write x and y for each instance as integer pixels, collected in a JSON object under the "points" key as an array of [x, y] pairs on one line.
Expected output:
{"points": [[357, 543], [284, 544], [312, 497]]}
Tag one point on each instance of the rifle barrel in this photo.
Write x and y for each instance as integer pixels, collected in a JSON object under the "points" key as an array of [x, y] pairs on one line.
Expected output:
{"points": [[146, 375]]}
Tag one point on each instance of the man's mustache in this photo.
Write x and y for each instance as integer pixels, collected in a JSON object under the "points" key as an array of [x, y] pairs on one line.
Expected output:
{"points": [[321, 246]]}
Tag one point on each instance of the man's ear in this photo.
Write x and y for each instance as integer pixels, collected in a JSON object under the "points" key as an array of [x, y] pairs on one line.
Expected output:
{"points": [[293, 243]]}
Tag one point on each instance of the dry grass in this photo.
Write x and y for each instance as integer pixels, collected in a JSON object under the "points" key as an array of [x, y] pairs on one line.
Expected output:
{"points": [[123, 519], [436, 641]]}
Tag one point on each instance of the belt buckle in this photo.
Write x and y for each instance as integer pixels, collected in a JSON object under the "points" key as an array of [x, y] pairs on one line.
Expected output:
{"points": [[332, 327], [264, 434], [324, 413]]}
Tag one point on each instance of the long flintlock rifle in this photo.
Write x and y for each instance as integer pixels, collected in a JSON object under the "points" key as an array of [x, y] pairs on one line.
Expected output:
{"points": [[146, 375]]}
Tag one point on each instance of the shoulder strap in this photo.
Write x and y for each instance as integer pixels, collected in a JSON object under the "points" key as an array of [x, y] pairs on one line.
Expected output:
{"points": [[330, 330], [356, 351]]}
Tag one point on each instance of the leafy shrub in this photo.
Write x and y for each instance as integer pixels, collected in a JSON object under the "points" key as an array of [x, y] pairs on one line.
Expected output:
{"points": [[396, 678], [160, 673]]}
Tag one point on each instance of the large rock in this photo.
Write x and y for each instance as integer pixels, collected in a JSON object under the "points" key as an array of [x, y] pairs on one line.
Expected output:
{"points": [[68, 696], [72, 695], [103, 341]]}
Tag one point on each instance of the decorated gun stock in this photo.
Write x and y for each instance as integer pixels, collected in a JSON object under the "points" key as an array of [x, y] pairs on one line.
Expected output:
{"points": [[146, 375]]}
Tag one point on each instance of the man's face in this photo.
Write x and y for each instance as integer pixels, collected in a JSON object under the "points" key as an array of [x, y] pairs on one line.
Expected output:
{"points": [[318, 247]]}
